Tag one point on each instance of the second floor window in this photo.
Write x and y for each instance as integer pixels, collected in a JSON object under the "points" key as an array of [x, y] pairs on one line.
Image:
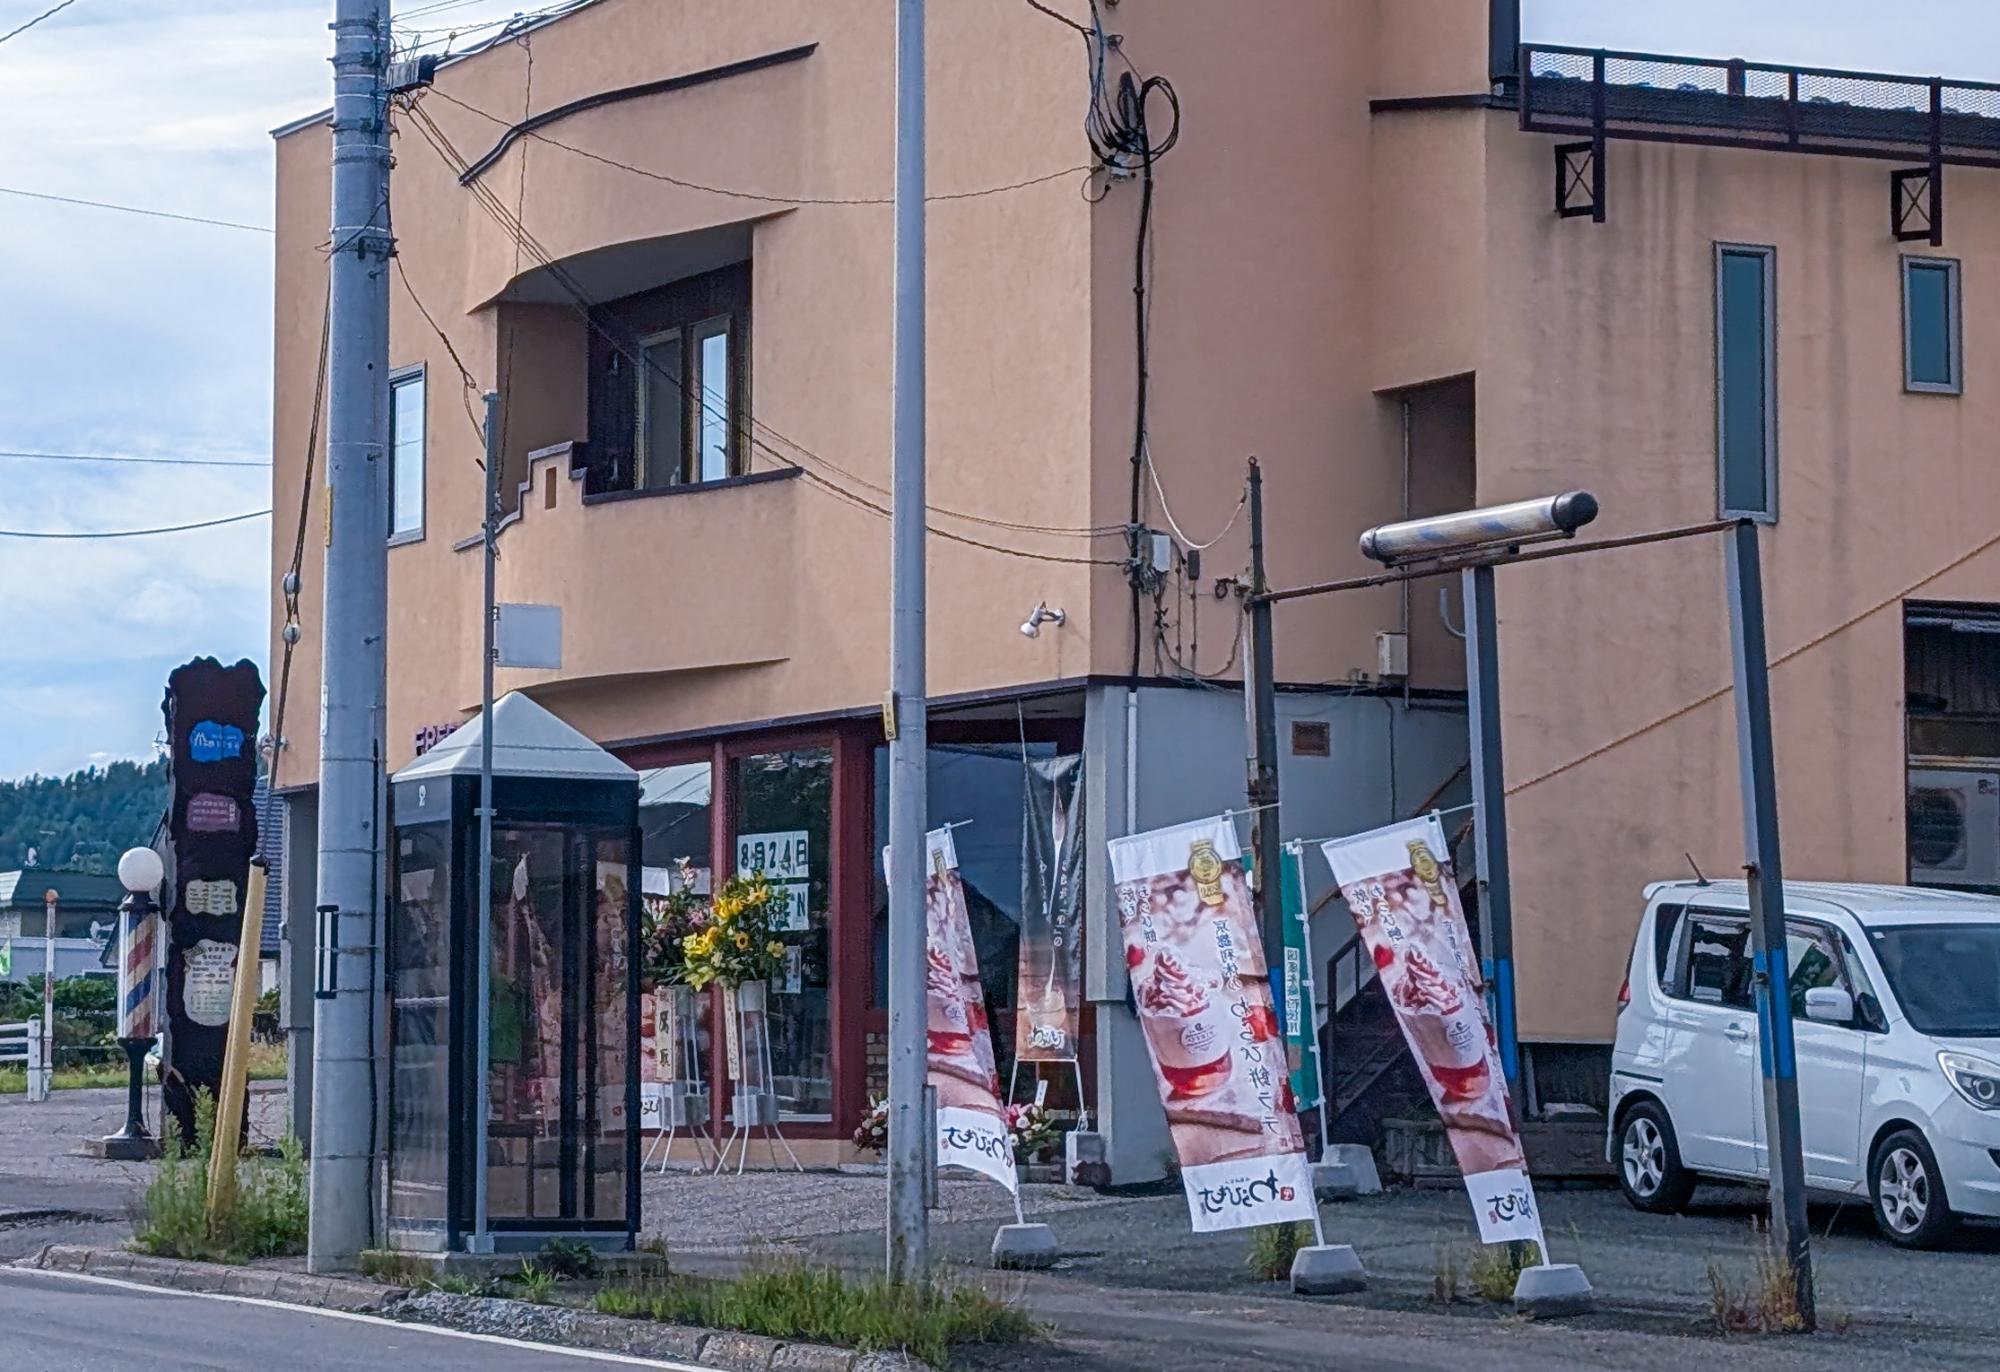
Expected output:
{"points": [[1746, 376], [668, 398], [406, 455], [1931, 327]]}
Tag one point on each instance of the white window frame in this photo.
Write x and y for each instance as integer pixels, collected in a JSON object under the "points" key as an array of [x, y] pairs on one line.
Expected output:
{"points": [[1769, 514], [1954, 326], [398, 379], [721, 326], [643, 417]]}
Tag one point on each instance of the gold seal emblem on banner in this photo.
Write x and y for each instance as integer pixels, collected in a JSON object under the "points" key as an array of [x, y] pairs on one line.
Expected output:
{"points": [[1426, 868], [1206, 869]]}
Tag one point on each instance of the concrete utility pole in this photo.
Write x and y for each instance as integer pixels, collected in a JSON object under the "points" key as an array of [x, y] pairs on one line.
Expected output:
{"points": [[1263, 787], [480, 1240], [346, 1101], [908, 1148]]}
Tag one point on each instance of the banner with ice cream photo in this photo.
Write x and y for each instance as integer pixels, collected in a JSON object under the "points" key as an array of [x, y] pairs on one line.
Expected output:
{"points": [[1400, 887], [972, 1127], [1202, 985]]}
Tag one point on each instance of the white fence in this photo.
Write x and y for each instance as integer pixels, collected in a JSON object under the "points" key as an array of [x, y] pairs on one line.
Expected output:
{"points": [[22, 1043]]}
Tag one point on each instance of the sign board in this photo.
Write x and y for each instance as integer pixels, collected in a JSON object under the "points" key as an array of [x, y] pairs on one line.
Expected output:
{"points": [[528, 636]]}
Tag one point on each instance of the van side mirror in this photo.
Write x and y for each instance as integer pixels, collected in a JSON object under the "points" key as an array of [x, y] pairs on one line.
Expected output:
{"points": [[1829, 1005]]}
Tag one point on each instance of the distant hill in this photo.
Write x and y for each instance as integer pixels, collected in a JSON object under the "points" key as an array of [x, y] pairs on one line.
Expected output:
{"points": [[82, 821]]}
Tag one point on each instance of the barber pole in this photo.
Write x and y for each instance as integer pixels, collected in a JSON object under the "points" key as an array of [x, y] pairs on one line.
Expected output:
{"points": [[138, 1005]]}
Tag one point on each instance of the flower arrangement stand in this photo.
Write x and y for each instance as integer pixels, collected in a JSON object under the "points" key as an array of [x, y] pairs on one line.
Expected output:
{"points": [[752, 1104]]}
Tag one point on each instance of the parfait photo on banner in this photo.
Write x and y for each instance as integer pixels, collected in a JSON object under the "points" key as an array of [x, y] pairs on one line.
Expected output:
{"points": [[960, 1067], [1400, 886], [1049, 987], [1202, 985]]}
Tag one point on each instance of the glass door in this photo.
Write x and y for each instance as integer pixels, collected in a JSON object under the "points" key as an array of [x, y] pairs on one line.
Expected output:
{"points": [[420, 1038], [783, 803]]}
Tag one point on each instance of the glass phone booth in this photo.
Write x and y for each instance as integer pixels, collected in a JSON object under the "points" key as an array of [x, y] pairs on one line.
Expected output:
{"points": [[562, 1112]]}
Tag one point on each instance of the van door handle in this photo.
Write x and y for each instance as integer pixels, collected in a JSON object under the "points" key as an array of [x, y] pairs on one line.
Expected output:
{"points": [[1736, 1032]]}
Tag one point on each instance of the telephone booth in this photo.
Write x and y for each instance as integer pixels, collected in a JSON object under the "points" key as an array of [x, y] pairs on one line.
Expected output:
{"points": [[562, 1144]]}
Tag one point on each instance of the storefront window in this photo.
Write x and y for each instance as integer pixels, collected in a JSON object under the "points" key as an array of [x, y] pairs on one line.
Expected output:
{"points": [[979, 788], [676, 810], [784, 824]]}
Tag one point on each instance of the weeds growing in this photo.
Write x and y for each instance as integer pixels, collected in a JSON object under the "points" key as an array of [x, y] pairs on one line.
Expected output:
{"points": [[823, 1306], [536, 1283], [1273, 1246], [1767, 1302], [268, 1219]]}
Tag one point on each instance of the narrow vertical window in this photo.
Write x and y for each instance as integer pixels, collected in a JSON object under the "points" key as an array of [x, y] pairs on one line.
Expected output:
{"points": [[1931, 327], [659, 410], [714, 422], [406, 456], [1746, 381]]}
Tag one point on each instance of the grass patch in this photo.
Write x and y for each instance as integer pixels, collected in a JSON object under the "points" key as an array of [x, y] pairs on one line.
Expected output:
{"points": [[268, 1219], [568, 1258], [267, 1063], [1273, 1246], [536, 1283], [1487, 1272], [818, 1305]]}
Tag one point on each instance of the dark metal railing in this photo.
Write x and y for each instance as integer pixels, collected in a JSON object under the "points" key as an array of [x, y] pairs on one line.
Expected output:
{"points": [[1654, 97]]}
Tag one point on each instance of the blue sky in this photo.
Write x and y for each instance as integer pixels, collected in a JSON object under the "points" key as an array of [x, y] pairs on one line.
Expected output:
{"points": [[137, 336]]}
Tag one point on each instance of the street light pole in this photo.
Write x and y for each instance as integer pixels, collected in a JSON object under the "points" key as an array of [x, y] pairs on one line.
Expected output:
{"points": [[908, 1148]]}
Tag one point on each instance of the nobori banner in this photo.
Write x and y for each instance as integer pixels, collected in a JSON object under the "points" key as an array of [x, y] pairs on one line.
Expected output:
{"points": [[1202, 985], [1400, 886]]}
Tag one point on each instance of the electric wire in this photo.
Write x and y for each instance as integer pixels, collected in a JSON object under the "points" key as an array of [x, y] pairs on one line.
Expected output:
{"points": [[122, 460], [1081, 169], [135, 209], [582, 303], [469, 387], [49, 13], [134, 533], [289, 586]]}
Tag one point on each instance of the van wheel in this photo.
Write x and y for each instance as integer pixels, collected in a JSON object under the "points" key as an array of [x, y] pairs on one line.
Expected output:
{"points": [[1910, 1205], [1649, 1162]]}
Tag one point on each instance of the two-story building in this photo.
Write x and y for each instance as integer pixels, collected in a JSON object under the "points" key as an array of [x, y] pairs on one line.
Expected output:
{"points": [[660, 229]]}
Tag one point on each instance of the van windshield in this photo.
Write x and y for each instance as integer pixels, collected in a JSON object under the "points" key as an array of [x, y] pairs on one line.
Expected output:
{"points": [[1945, 976]]}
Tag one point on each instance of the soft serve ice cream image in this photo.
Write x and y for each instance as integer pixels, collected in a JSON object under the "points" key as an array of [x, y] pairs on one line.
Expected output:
{"points": [[1190, 1027], [1444, 1025], [945, 1019]]}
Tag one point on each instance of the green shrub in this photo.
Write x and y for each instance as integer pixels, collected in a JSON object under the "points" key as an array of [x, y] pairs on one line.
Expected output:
{"points": [[568, 1258], [1496, 1267], [822, 1306], [536, 1283]]}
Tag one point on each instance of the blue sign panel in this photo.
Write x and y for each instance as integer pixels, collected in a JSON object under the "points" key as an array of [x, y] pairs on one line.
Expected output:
{"points": [[212, 742]]}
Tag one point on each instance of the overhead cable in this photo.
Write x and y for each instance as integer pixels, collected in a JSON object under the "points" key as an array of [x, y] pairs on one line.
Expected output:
{"points": [[136, 209], [134, 533]]}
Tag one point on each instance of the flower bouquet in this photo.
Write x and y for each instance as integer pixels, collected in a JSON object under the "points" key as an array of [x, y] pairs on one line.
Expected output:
{"points": [[872, 1134], [666, 923], [738, 943], [1034, 1131]]}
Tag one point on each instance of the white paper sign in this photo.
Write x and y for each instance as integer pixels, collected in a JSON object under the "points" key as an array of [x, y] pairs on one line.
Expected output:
{"points": [[208, 982], [211, 897], [784, 860], [652, 1105]]}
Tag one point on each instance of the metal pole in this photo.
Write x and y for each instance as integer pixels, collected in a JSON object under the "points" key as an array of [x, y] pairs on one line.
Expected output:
{"points": [[1263, 787], [482, 977], [1767, 911], [48, 990], [909, 1238], [1489, 829], [346, 1114]]}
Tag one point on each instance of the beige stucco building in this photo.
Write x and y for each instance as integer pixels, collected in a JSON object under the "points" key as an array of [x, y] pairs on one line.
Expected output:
{"points": [[660, 229]]}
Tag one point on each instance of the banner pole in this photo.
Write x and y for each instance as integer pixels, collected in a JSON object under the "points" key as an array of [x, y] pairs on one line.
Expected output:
{"points": [[1309, 988]]}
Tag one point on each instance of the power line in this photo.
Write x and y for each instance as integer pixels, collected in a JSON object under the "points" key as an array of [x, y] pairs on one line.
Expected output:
{"points": [[1080, 169], [135, 533], [45, 14], [126, 460], [136, 209]]}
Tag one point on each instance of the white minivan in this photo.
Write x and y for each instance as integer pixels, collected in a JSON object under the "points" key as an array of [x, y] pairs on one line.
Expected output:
{"points": [[1895, 1004]]}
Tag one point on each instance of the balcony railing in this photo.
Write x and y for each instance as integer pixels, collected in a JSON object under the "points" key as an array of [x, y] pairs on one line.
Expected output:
{"points": [[1655, 98]]}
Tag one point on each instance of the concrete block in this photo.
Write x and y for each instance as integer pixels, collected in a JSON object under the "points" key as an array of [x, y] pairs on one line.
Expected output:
{"points": [[1558, 1289], [1332, 1269], [739, 1352], [1024, 1247], [812, 1357], [1086, 1160], [1360, 1161], [1335, 1181]]}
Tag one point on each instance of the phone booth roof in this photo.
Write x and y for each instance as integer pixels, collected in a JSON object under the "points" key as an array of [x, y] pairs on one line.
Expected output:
{"points": [[528, 742]]}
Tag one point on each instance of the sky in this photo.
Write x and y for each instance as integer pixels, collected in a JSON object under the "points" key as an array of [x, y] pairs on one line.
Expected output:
{"points": [[145, 337]]}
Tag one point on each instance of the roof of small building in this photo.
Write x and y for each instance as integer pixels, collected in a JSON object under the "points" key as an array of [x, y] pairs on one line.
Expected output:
{"points": [[528, 741]]}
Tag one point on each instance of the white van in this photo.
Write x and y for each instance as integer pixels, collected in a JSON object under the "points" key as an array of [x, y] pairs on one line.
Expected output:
{"points": [[1895, 1002]]}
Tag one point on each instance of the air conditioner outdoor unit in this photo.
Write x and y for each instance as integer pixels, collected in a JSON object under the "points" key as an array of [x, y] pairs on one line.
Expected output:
{"points": [[1954, 827]]}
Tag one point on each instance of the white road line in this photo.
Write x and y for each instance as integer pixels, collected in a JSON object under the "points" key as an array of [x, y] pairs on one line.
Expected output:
{"points": [[437, 1330]]}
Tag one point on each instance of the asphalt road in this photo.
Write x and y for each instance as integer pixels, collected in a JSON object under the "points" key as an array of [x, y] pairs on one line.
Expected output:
{"points": [[63, 1324]]}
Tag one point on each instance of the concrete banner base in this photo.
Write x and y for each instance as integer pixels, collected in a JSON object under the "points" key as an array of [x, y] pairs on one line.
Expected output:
{"points": [[1328, 1270], [1558, 1289]]}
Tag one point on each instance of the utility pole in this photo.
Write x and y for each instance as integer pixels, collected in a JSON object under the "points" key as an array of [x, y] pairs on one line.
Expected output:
{"points": [[1263, 788], [346, 1080], [1756, 767], [909, 1238], [482, 1109], [1489, 813]]}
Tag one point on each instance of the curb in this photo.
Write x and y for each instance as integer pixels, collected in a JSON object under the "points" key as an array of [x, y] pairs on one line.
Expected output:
{"points": [[553, 1324]]}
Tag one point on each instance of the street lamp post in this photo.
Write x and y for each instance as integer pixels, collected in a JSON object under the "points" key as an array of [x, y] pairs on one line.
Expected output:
{"points": [[140, 872]]}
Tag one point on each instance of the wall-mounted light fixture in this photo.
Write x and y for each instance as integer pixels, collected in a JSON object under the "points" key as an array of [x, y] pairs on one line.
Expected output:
{"points": [[1031, 627]]}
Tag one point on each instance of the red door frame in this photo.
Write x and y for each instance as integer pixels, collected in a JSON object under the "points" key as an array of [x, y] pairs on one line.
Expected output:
{"points": [[851, 830]]}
